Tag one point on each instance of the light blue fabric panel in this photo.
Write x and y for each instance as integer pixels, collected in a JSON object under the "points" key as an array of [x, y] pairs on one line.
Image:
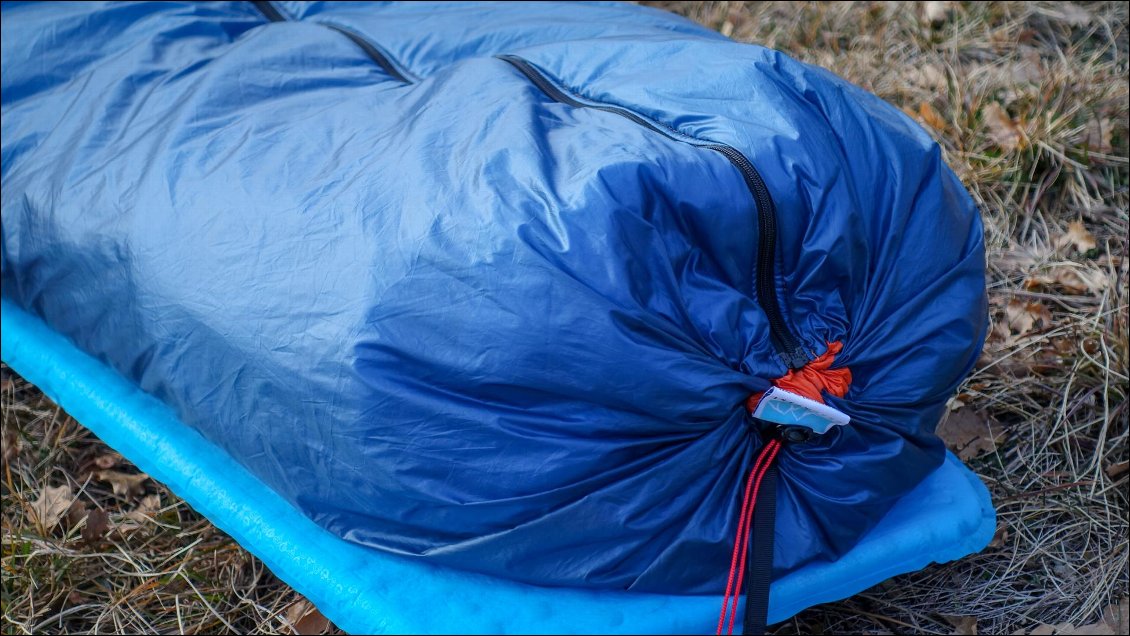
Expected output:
{"points": [[948, 516]]}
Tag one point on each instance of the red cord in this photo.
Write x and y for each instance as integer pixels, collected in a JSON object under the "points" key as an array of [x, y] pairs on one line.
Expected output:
{"points": [[810, 381], [771, 448], [738, 541], [745, 522]]}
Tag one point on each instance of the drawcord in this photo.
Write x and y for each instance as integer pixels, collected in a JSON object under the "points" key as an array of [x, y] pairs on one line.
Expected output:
{"points": [[814, 379], [741, 539], [810, 381]]}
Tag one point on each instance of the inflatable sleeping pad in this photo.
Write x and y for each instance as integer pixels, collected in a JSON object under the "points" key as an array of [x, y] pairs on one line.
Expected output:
{"points": [[483, 297]]}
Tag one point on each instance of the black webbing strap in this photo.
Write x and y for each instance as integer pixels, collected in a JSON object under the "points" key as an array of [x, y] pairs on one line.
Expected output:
{"points": [[760, 564]]}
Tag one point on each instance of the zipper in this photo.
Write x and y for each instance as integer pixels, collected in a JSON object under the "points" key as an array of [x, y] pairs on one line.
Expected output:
{"points": [[787, 345], [269, 10], [372, 51], [274, 15]]}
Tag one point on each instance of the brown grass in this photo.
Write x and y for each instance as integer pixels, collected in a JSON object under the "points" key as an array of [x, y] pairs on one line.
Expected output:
{"points": [[174, 572], [1029, 102]]}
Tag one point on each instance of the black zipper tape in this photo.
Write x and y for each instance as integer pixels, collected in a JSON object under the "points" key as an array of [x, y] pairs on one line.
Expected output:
{"points": [[786, 344], [269, 10], [372, 51], [380, 57]]}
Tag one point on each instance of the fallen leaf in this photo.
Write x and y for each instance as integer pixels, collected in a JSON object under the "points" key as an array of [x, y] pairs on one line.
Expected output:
{"points": [[1024, 317], [998, 334], [97, 525], [303, 618], [928, 76], [1067, 629], [963, 625], [935, 13], [967, 432], [140, 516], [1080, 281], [1097, 136], [1000, 536], [1118, 614], [145, 509], [1037, 282], [1078, 236], [76, 513], [1115, 620], [1028, 69], [1064, 346], [107, 460], [1002, 130], [48, 510], [1073, 14], [1069, 278], [931, 116], [1091, 346], [125, 485], [1114, 471], [1021, 259]]}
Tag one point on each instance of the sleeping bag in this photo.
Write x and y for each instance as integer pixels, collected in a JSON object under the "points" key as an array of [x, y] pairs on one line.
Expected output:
{"points": [[498, 287]]}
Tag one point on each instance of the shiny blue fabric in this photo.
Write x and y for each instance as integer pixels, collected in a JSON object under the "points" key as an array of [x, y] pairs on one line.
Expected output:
{"points": [[452, 318], [364, 591]]}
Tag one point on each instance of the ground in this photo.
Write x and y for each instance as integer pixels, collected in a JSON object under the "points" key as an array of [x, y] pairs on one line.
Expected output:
{"points": [[1029, 103]]}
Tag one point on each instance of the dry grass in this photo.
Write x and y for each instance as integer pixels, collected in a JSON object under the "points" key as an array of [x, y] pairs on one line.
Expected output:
{"points": [[170, 572], [1029, 102]]}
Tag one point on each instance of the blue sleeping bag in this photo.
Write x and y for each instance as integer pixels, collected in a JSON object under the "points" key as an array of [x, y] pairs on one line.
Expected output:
{"points": [[490, 286]]}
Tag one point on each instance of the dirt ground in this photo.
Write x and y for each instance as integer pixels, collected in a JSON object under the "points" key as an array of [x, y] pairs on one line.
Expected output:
{"points": [[1029, 102]]}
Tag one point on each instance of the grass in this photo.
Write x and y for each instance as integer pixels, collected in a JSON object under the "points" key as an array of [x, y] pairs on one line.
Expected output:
{"points": [[172, 572], [1029, 103]]}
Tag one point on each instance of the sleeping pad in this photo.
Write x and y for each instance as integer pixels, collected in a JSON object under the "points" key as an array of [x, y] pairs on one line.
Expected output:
{"points": [[495, 286]]}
